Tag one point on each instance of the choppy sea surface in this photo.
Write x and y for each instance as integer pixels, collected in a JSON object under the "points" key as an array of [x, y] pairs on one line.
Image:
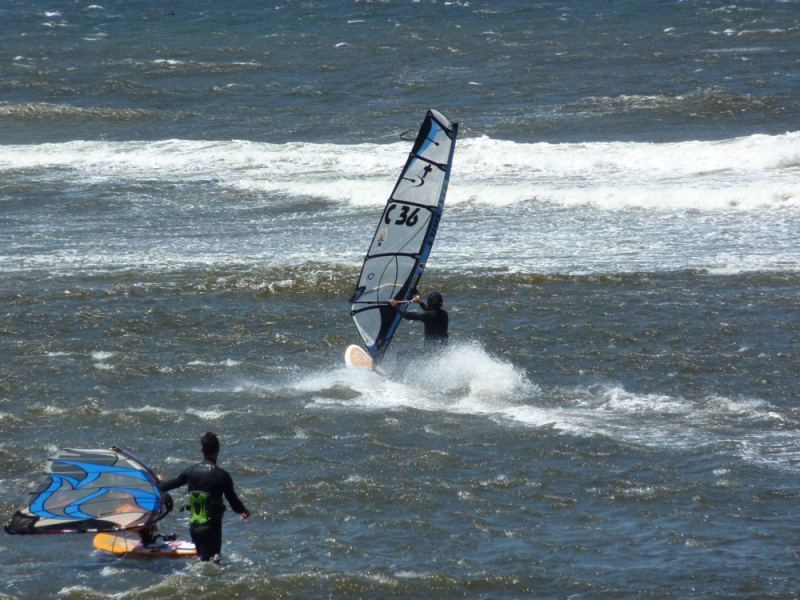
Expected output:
{"points": [[186, 193]]}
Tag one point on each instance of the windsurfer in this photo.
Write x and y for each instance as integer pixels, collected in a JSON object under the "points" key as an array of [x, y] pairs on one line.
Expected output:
{"points": [[207, 483], [402, 242], [432, 315]]}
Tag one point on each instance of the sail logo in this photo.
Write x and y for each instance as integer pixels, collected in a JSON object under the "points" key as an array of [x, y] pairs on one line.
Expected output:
{"points": [[419, 182]]}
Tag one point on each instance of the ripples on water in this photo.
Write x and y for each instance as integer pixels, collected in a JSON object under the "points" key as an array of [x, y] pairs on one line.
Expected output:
{"points": [[580, 417], [330, 71], [182, 195]]}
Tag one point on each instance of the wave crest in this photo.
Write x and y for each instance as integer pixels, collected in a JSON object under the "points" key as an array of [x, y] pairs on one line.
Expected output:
{"points": [[745, 173]]}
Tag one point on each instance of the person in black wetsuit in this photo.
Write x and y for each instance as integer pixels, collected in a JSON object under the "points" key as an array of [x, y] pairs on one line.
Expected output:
{"points": [[207, 484], [432, 315]]}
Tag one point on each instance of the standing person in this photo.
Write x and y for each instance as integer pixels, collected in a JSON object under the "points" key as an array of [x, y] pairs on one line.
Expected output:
{"points": [[432, 315], [207, 483]]}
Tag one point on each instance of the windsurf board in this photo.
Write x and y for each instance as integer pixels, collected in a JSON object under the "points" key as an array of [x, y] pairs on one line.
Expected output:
{"points": [[356, 356], [120, 544]]}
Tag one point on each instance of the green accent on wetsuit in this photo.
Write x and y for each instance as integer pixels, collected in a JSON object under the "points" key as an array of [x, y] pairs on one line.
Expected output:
{"points": [[197, 508]]}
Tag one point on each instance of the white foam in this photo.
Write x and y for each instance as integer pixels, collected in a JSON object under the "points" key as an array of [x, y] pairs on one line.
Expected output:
{"points": [[209, 414], [726, 206], [463, 379], [466, 380], [223, 363], [79, 591], [742, 173], [147, 408]]}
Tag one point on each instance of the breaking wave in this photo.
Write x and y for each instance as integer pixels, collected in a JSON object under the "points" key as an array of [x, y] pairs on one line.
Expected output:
{"points": [[745, 173]]}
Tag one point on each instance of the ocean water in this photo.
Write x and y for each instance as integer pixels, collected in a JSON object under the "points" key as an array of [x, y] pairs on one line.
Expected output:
{"points": [[186, 193]]}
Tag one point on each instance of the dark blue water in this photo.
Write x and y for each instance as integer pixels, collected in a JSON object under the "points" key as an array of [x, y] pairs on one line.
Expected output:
{"points": [[186, 194], [358, 71]]}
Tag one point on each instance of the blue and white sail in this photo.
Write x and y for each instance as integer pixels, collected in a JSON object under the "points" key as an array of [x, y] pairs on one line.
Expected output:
{"points": [[405, 234], [92, 490]]}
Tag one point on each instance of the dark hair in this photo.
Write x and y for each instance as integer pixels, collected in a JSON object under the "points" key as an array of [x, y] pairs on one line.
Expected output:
{"points": [[435, 300], [210, 443]]}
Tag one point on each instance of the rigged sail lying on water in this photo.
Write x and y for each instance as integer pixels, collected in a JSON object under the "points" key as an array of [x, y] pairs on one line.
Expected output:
{"points": [[404, 237], [92, 490]]}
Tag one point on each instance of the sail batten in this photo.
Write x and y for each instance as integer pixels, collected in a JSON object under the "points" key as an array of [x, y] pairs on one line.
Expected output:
{"points": [[403, 240]]}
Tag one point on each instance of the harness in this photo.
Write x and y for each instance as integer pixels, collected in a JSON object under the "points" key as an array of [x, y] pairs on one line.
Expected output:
{"points": [[197, 507]]}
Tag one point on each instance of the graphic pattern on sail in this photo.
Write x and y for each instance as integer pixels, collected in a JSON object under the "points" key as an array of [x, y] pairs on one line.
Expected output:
{"points": [[404, 237], [92, 490]]}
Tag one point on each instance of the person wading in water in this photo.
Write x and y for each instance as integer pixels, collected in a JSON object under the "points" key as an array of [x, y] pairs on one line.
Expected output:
{"points": [[207, 484]]}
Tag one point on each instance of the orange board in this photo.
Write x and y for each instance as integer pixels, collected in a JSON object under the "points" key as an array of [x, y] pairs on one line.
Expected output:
{"points": [[356, 356], [120, 544]]}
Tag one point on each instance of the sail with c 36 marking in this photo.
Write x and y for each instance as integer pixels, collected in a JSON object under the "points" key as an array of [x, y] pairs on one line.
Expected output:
{"points": [[403, 240]]}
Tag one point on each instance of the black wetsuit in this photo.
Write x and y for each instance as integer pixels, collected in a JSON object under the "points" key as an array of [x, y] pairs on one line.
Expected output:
{"points": [[434, 319], [216, 482]]}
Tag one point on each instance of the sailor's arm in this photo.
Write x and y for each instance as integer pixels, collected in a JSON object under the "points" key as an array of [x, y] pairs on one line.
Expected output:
{"points": [[410, 315], [171, 484], [236, 505]]}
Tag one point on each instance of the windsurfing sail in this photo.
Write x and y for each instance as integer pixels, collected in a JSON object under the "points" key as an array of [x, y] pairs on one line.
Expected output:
{"points": [[90, 491], [404, 237]]}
